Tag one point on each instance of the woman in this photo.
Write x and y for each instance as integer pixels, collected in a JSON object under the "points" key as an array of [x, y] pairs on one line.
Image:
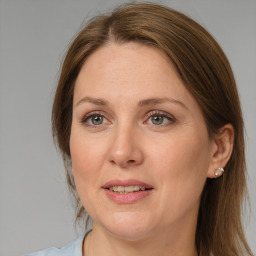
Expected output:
{"points": [[147, 117]]}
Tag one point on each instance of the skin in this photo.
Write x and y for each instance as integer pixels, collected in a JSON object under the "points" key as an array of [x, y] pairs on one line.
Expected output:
{"points": [[175, 157]]}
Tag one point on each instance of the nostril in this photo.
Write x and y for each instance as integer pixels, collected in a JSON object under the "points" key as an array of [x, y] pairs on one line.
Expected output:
{"points": [[112, 162], [123, 164]]}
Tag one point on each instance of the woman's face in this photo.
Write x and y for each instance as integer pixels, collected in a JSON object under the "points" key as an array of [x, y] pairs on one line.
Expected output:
{"points": [[139, 144]]}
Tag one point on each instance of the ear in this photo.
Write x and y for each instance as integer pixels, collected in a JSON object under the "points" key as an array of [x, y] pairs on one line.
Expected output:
{"points": [[222, 150]]}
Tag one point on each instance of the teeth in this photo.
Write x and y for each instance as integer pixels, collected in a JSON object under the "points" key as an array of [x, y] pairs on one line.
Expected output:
{"points": [[136, 188], [120, 189], [127, 189]]}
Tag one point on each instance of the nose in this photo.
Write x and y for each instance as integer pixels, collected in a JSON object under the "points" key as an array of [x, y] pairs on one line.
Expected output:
{"points": [[125, 150]]}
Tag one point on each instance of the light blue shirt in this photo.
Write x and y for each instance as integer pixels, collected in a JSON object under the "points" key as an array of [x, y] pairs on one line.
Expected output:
{"points": [[73, 249]]}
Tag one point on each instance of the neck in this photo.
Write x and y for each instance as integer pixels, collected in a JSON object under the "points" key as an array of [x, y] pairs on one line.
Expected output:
{"points": [[164, 242]]}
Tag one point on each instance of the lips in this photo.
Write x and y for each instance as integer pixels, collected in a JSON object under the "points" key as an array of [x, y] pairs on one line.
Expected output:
{"points": [[127, 191], [126, 183]]}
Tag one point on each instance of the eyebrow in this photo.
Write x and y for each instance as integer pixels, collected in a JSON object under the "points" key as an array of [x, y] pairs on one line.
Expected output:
{"points": [[142, 103], [98, 102], [155, 101]]}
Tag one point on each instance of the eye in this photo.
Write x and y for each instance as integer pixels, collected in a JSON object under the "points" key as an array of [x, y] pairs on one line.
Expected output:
{"points": [[160, 118], [94, 119], [157, 120]]}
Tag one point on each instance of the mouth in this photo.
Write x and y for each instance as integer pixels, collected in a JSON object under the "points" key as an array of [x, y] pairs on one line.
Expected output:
{"points": [[127, 191]]}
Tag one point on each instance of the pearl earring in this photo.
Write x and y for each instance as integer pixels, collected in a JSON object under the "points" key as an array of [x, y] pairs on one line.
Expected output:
{"points": [[216, 174]]}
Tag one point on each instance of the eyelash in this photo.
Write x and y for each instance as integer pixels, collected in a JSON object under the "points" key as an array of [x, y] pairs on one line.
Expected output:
{"points": [[90, 115], [171, 119]]}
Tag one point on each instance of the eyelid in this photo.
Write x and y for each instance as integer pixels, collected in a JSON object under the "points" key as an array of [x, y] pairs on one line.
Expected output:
{"points": [[159, 112], [167, 115], [151, 113], [93, 113]]}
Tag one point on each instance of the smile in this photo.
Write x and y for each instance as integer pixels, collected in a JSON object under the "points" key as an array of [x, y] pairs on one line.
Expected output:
{"points": [[127, 189]]}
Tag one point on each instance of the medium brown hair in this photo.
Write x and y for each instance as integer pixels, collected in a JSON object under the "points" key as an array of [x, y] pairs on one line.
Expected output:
{"points": [[206, 73]]}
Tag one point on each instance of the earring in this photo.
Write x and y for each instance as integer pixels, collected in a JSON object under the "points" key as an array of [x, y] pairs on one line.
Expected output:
{"points": [[216, 174]]}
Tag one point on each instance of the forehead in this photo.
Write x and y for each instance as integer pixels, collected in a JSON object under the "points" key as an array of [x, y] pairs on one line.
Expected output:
{"points": [[130, 70]]}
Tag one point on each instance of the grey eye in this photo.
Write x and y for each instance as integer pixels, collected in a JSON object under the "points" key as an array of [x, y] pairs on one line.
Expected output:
{"points": [[157, 119], [97, 119]]}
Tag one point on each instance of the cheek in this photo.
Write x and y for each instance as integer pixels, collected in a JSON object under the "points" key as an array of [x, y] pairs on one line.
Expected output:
{"points": [[181, 165], [87, 158], [183, 153]]}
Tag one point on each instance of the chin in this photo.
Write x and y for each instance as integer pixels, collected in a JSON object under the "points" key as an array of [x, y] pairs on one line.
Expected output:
{"points": [[130, 226]]}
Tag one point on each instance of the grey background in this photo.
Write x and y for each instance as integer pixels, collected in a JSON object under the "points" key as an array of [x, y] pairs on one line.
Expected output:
{"points": [[35, 207]]}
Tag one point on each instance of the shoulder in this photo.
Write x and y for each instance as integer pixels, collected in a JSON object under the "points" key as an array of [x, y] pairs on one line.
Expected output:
{"points": [[74, 249]]}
